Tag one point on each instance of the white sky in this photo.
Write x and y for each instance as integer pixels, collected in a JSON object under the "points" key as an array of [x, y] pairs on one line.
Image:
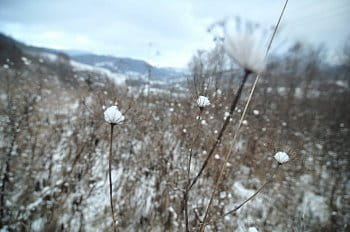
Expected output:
{"points": [[175, 29]]}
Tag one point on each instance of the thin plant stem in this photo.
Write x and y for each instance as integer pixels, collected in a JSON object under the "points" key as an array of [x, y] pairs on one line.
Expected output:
{"points": [[276, 27], [256, 193], [186, 192], [224, 126], [192, 144], [218, 181], [110, 178], [222, 169], [250, 198], [185, 202]]}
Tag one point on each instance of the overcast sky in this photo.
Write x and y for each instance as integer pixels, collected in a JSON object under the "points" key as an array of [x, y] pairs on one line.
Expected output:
{"points": [[164, 32]]}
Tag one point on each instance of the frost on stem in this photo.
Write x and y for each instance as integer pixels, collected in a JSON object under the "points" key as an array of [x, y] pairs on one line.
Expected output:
{"points": [[247, 45], [281, 157], [203, 101], [113, 115]]}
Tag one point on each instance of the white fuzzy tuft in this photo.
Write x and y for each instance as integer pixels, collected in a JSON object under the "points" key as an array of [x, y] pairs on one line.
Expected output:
{"points": [[281, 157], [113, 115], [203, 101], [247, 45]]}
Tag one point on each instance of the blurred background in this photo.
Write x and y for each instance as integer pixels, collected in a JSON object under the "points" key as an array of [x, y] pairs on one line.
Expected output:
{"points": [[63, 62]]}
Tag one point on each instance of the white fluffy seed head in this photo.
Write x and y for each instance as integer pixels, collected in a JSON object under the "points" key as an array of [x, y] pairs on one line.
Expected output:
{"points": [[281, 157], [247, 45], [203, 101], [113, 115]]}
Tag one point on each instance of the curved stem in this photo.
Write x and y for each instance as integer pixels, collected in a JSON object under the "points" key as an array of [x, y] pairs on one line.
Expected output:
{"points": [[256, 193], [248, 199], [110, 178]]}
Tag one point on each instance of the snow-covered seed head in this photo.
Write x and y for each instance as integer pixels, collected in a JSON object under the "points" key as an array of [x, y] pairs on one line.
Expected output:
{"points": [[203, 101], [113, 115], [247, 45], [281, 157]]}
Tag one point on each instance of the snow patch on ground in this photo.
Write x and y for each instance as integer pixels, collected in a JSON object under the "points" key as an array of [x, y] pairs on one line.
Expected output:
{"points": [[49, 56], [38, 225], [118, 78], [341, 83], [241, 191], [314, 207]]}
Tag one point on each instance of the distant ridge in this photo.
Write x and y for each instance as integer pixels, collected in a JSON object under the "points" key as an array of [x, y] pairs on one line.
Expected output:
{"points": [[128, 66]]}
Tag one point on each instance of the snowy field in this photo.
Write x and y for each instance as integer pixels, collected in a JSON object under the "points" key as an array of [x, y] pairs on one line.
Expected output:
{"points": [[55, 148]]}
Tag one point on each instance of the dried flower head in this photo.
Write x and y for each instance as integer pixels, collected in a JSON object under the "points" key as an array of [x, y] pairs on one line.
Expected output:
{"points": [[113, 115], [247, 45], [203, 101], [281, 157]]}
